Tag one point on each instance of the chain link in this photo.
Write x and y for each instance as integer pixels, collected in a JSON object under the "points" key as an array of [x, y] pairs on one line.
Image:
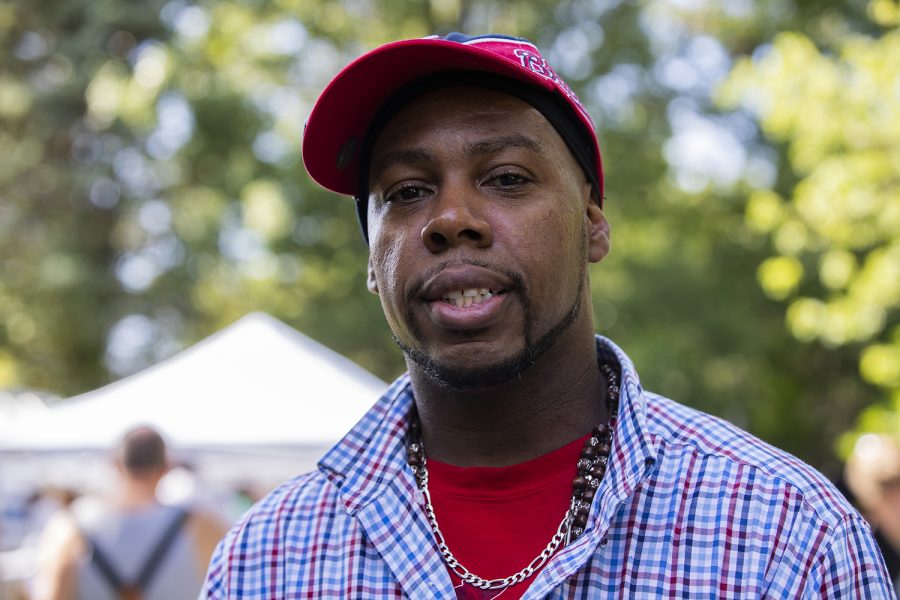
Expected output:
{"points": [[468, 576]]}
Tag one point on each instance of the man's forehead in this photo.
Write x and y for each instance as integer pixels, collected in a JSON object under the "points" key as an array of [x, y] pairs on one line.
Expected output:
{"points": [[503, 118], [477, 122]]}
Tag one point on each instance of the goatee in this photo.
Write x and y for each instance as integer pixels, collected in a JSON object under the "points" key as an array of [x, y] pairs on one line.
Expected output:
{"points": [[492, 375]]}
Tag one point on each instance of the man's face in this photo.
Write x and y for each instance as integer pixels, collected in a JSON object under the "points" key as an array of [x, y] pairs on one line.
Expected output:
{"points": [[481, 225]]}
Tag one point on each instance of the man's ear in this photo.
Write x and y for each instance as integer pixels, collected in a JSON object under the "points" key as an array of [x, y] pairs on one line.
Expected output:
{"points": [[598, 230], [371, 283]]}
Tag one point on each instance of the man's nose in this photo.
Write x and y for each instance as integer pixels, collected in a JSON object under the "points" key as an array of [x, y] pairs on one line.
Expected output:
{"points": [[455, 224]]}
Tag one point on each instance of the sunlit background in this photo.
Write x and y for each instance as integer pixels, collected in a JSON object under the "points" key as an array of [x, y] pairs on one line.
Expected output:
{"points": [[152, 193]]}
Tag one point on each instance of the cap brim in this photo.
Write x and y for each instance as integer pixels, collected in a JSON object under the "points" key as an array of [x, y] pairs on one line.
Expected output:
{"points": [[341, 116]]}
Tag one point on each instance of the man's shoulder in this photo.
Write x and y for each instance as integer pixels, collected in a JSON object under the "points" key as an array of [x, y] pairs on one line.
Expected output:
{"points": [[304, 495], [694, 434], [302, 513], [293, 509]]}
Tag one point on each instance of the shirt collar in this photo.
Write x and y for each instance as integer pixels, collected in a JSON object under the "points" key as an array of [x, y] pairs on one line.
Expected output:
{"points": [[373, 453], [633, 447], [633, 450]]}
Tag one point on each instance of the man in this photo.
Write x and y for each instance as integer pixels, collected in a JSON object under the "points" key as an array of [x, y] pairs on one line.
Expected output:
{"points": [[519, 457], [130, 547]]}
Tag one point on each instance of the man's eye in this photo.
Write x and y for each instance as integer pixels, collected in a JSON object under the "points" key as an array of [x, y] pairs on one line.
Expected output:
{"points": [[509, 179], [406, 193]]}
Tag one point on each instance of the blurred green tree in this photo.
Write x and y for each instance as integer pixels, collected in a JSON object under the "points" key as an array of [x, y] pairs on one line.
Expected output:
{"points": [[836, 234]]}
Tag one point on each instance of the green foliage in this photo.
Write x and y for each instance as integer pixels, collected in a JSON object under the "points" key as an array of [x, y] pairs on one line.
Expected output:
{"points": [[836, 234], [151, 191]]}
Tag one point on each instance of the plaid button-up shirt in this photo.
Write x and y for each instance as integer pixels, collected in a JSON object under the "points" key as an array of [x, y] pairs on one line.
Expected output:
{"points": [[690, 507]]}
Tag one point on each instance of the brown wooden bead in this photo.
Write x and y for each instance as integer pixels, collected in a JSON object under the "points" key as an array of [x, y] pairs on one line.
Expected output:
{"points": [[580, 521], [598, 470], [589, 452], [603, 449], [588, 494], [579, 483]]}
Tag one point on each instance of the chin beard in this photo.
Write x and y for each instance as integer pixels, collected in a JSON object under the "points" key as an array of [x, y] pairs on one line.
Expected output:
{"points": [[492, 375]]}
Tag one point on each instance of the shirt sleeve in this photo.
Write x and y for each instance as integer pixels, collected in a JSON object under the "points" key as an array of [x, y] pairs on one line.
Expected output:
{"points": [[851, 566], [214, 588]]}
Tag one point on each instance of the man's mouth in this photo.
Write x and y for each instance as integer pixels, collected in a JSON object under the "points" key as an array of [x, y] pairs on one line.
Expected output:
{"points": [[469, 296]]}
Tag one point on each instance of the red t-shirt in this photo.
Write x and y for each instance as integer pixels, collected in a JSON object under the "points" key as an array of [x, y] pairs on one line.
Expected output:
{"points": [[496, 520]]}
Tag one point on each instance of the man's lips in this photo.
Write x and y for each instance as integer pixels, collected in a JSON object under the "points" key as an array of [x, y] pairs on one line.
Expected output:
{"points": [[465, 280], [467, 318], [465, 296]]}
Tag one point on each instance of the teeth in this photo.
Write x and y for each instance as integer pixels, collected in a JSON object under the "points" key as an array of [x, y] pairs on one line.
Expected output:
{"points": [[468, 296]]}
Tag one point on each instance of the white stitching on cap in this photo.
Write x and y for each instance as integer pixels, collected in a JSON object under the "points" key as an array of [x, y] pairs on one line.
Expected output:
{"points": [[503, 40]]}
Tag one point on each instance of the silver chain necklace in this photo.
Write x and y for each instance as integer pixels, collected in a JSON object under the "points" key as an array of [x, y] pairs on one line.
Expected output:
{"points": [[591, 468]]}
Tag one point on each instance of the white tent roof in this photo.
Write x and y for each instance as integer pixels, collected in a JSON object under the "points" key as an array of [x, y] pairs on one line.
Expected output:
{"points": [[257, 382]]}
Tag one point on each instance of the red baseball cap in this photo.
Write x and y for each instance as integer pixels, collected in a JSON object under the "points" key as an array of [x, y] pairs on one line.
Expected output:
{"points": [[338, 124]]}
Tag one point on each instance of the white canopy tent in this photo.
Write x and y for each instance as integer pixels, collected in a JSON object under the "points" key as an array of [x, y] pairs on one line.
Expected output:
{"points": [[253, 404], [256, 383]]}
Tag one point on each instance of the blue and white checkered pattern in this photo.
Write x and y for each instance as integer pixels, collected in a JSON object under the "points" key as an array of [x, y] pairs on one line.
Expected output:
{"points": [[691, 507]]}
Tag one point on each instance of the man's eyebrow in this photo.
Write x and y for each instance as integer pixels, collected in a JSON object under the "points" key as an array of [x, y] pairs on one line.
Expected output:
{"points": [[494, 145], [405, 156]]}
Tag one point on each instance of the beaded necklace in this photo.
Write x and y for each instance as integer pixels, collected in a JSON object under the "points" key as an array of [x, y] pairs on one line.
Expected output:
{"points": [[591, 467]]}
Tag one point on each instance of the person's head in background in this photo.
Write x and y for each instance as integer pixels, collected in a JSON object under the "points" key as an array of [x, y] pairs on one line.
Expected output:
{"points": [[873, 475], [141, 460]]}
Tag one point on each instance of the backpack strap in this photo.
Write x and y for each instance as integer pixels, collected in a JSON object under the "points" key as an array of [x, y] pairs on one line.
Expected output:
{"points": [[159, 551], [145, 575], [104, 566]]}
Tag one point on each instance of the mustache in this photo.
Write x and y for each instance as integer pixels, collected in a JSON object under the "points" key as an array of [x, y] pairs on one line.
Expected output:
{"points": [[516, 280]]}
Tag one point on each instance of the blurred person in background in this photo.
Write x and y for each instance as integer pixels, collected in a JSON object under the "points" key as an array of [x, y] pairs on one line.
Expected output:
{"points": [[872, 473], [127, 546]]}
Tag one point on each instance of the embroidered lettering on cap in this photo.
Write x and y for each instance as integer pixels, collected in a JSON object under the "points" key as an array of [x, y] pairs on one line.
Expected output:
{"points": [[538, 65]]}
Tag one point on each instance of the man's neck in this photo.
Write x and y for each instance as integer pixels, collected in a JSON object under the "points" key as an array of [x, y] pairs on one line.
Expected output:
{"points": [[137, 493], [555, 401]]}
